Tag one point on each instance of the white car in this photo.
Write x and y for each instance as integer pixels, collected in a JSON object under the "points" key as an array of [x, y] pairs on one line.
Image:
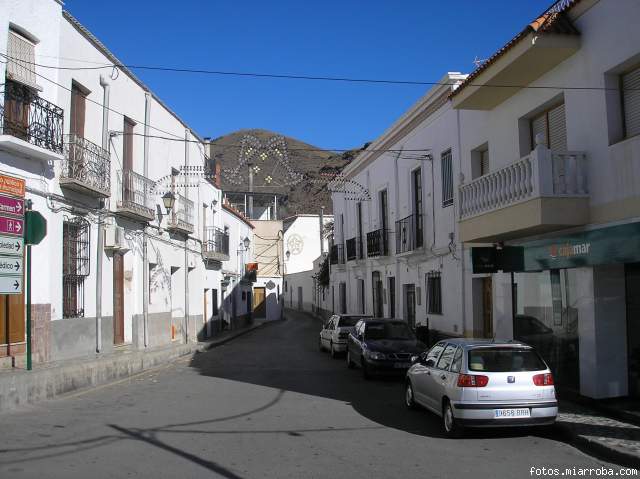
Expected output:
{"points": [[482, 383], [335, 332]]}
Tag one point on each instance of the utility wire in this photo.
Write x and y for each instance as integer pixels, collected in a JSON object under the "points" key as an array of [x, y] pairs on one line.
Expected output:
{"points": [[314, 77]]}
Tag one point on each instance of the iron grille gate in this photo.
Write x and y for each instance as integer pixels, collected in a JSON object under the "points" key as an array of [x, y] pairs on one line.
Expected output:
{"points": [[75, 265]]}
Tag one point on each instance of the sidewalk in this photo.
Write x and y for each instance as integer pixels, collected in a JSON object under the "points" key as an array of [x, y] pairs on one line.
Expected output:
{"points": [[19, 387], [600, 435]]}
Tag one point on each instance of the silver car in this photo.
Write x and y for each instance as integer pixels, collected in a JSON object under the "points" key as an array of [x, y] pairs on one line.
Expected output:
{"points": [[480, 383], [334, 333]]}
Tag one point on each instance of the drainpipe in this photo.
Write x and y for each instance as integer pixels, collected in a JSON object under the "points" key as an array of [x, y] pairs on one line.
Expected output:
{"points": [[145, 246], [463, 287], [321, 230], [186, 253], [105, 145]]}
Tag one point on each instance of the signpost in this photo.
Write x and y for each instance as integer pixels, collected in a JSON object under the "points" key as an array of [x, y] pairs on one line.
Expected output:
{"points": [[11, 226], [12, 186], [10, 245], [10, 284]]}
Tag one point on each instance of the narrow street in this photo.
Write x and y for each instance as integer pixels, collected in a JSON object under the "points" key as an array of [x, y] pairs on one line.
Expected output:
{"points": [[267, 404]]}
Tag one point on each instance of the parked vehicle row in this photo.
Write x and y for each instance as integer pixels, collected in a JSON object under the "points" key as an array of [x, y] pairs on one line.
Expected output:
{"points": [[467, 382]]}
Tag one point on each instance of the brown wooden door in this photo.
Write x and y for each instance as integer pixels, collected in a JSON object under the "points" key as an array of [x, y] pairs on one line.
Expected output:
{"points": [[118, 299], [487, 307], [259, 305]]}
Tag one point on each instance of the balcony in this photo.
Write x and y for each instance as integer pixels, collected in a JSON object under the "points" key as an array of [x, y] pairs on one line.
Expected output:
{"points": [[377, 243], [355, 249], [135, 199], [30, 125], [408, 234], [542, 192], [216, 245], [336, 255], [86, 168], [181, 217]]}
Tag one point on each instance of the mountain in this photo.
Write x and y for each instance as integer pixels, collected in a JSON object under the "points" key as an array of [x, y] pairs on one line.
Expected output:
{"points": [[281, 165]]}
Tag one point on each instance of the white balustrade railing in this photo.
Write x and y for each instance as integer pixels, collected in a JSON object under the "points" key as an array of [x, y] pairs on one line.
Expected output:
{"points": [[541, 173]]}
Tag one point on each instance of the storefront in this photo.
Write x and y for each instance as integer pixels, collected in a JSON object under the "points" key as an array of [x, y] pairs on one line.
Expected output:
{"points": [[576, 298]]}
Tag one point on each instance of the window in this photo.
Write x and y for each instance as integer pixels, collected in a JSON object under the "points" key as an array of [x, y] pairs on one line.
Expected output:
{"points": [[480, 161], [502, 360], [343, 297], [434, 352], [631, 102], [392, 297], [75, 266], [456, 366], [22, 58], [447, 357], [447, 178], [434, 293], [417, 205], [551, 124]]}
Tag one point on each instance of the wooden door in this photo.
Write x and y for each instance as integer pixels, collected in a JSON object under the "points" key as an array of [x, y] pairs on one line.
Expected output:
{"points": [[259, 305], [118, 299], [487, 307]]}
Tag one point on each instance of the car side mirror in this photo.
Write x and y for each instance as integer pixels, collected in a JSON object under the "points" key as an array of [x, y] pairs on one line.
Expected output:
{"points": [[415, 359], [430, 363]]}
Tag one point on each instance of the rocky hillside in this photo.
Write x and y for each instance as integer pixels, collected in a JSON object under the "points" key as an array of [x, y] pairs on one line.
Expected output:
{"points": [[279, 165]]}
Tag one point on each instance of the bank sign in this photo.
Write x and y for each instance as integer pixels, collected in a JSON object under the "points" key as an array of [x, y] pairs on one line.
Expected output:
{"points": [[615, 244]]}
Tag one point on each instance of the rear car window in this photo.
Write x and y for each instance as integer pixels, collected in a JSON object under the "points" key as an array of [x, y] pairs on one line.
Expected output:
{"points": [[347, 321], [502, 360]]}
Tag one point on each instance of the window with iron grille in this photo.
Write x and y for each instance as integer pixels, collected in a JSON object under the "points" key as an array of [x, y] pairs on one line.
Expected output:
{"points": [[75, 266], [434, 293], [447, 178]]}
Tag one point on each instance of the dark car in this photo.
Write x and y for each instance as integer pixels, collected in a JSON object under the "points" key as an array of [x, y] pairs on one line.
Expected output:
{"points": [[382, 346]]}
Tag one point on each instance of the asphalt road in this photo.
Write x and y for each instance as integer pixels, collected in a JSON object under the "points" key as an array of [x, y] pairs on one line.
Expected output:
{"points": [[267, 404]]}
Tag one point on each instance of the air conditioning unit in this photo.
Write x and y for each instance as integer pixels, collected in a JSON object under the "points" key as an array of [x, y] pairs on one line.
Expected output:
{"points": [[114, 239]]}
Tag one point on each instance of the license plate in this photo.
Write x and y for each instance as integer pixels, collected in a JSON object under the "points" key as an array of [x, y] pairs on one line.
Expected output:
{"points": [[511, 413], [401, 365]]}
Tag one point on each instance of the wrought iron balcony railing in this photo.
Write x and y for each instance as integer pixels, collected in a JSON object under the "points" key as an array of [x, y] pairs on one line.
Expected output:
{"points": [[408, 234], [216, 244], [355, 248], [377, 243], [181, 218], [31, 118], [135, 197], [336, 255], [86, 167]]}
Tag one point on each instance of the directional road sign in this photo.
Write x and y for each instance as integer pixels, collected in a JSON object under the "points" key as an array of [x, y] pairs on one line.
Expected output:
{"points": [[12, 186], [11, 226], [10, 265], [11, 245], [12, 206], [10, 284]]}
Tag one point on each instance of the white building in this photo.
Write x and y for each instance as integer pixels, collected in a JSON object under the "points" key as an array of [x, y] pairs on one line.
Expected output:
{"points": [[306, 245], [396, 250], [553, 178], [116, 268]]}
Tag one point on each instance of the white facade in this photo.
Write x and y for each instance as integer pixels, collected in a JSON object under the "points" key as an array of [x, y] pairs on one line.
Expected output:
{"points": [[419, 143], [166, 285]]}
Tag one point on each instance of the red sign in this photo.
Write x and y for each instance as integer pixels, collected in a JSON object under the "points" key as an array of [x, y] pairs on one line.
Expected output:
{"points": [[12, 186], [11, 226], [12, 206]]}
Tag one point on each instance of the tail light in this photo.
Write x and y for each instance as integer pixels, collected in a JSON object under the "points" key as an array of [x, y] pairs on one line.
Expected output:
{"points": [[545, 379], [472, 381]]}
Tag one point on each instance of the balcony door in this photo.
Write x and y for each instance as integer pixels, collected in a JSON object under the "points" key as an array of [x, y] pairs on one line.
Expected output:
{"points": [[128, 188], [376, 289], [417, 206], [551, 124], [384, 221], [359, 251]]}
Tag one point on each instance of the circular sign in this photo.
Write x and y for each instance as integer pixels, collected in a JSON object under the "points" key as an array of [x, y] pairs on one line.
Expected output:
{"points": [[295, 243]]}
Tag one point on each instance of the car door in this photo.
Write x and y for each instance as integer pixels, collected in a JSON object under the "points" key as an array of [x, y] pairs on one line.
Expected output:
{"points": [[353, 343], [421, 374], [326, 332], [441, 375]]}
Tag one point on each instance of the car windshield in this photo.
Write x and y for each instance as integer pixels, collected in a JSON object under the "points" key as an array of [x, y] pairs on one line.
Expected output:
{"points": [[502, 360], [348, 321], [388, 331]]}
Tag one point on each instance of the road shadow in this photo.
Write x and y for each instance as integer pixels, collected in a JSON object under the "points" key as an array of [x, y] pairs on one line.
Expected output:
{"points": [[285, 356]]}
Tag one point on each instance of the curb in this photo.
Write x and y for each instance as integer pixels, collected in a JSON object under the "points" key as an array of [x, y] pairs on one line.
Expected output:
{"points": [[597, 449]]}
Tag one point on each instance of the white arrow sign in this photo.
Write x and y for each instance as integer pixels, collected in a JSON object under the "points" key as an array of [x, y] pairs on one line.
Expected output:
{"points": [[10, 265], [10, 245], [10, 284]]}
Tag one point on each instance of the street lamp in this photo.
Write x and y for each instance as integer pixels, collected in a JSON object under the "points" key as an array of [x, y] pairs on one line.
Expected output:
{"points": [[288, 254], [168, 199], [246, 243]]}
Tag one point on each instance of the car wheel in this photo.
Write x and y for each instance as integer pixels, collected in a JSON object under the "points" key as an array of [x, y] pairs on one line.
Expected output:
{"points": [[451, 427], [350, 364], [409, 400], [333, 352], [365, 370]]}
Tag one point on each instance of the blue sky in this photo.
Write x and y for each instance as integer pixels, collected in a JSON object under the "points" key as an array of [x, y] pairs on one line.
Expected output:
{"points": [[421, 40]]}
